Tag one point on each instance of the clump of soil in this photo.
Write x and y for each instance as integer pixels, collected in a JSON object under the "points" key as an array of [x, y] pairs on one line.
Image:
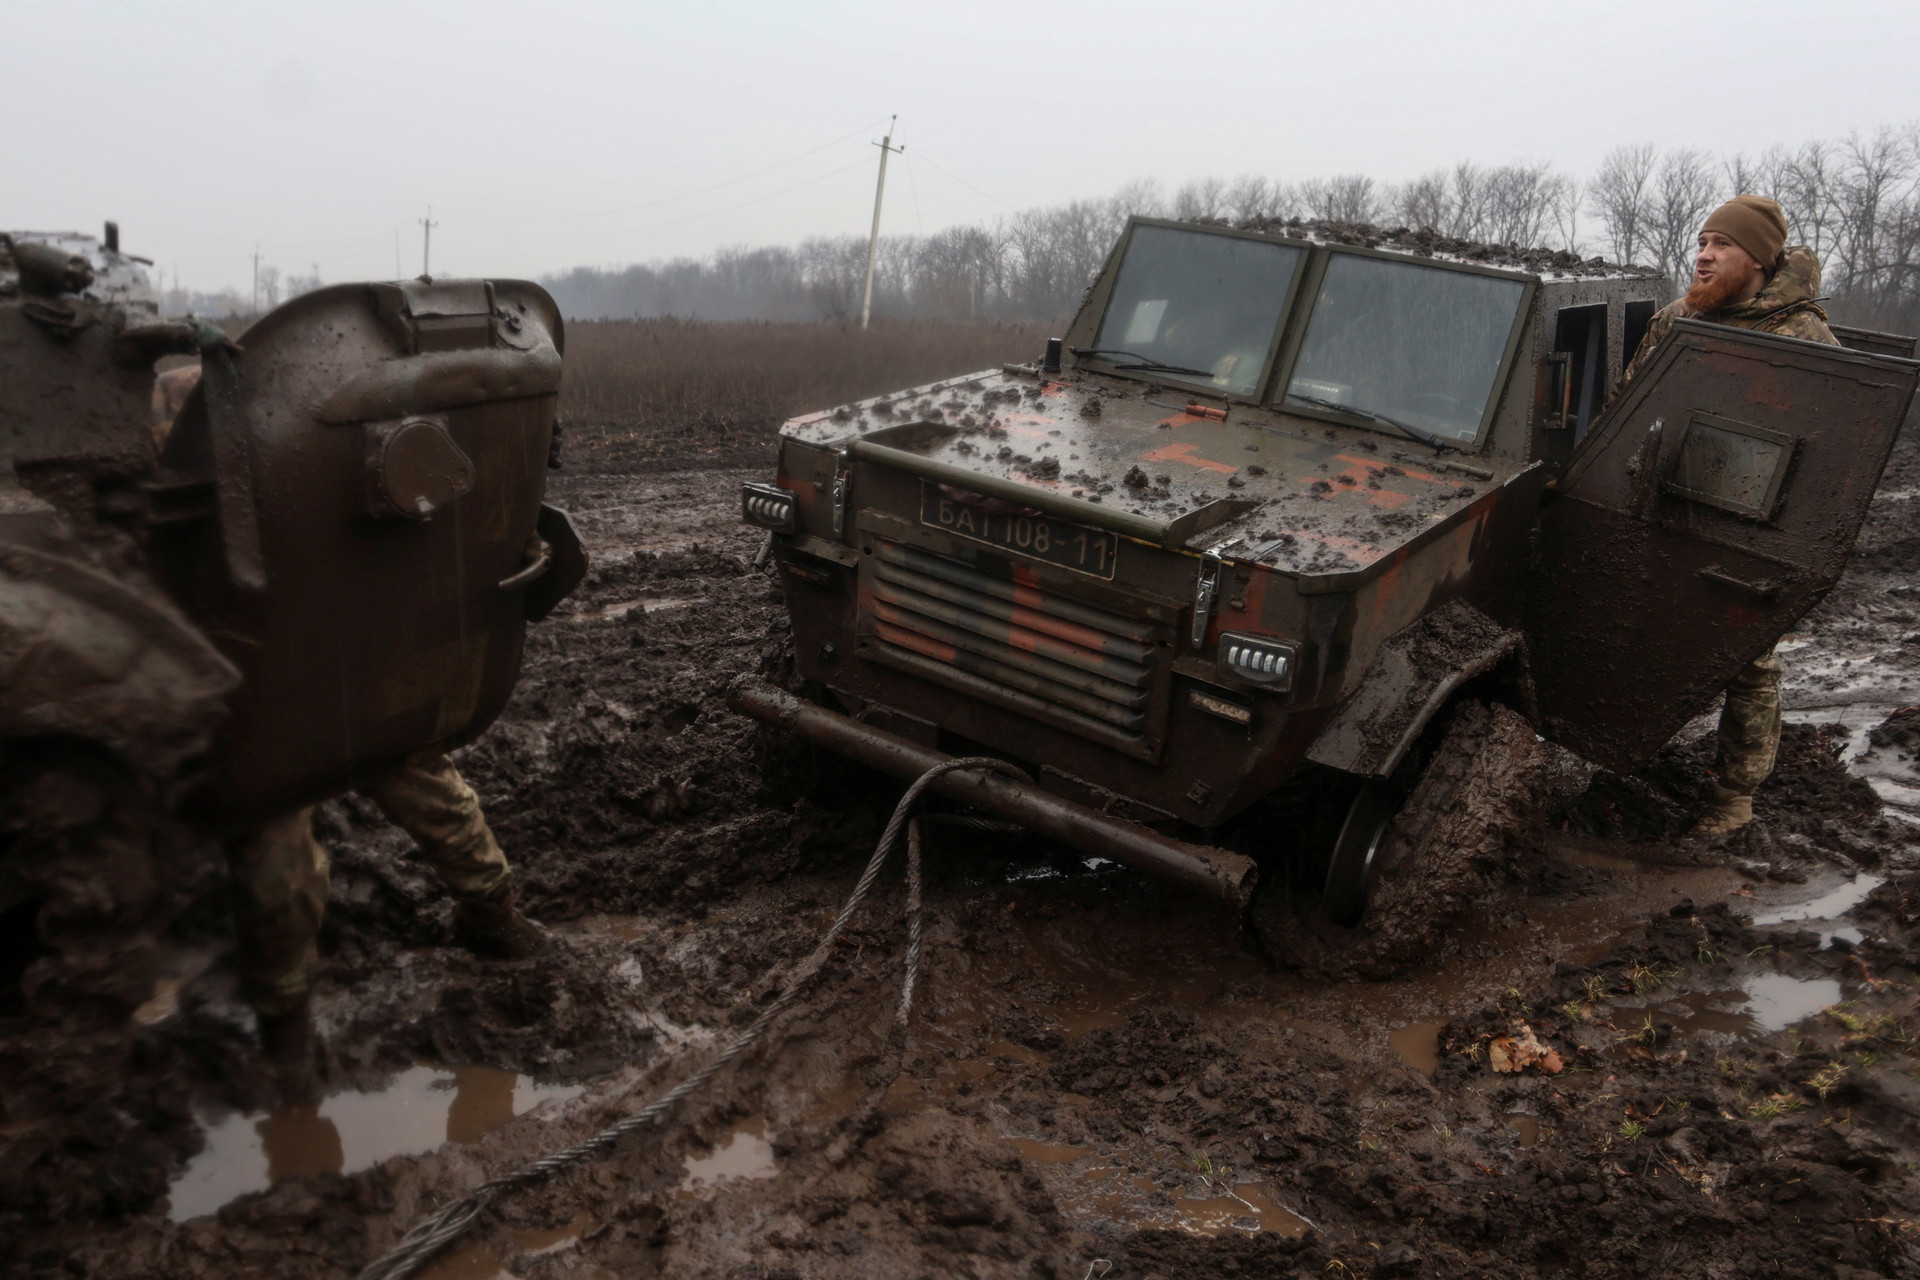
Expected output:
{"points": [[1810, 796]]}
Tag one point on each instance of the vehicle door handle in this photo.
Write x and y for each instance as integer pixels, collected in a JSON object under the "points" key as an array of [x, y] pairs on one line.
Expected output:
{"points": [[1766, 588], [542, 558]]}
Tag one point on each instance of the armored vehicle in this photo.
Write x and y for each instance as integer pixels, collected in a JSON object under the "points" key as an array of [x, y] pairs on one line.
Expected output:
{"points": [[329, 564], [1314, 513]]}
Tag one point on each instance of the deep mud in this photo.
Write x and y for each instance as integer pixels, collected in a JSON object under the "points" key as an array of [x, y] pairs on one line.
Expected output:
{"points": [[1101, 1079]]}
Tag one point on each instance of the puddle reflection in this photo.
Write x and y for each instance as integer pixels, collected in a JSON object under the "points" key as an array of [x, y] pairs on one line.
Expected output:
{"points": [[1830, 905], [746, 1153], [417, 1110], [1763, 1003]]}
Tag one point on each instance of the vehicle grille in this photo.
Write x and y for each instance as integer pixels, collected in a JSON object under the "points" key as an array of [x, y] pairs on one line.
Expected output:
{"points": [[1030, 650]]}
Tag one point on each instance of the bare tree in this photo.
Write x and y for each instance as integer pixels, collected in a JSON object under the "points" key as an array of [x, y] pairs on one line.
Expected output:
{"points": [[1348, 197], [1520, 202], [1142, 196], [1566, 215], [1805, 187], [1201, 198], [1873, 195], [1424, 201], [1248, 197], [1856, 202], [1622, 196], [1685, 193]]}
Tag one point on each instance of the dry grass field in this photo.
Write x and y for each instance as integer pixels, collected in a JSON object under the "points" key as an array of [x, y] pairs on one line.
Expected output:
{"points": [[676, 393]]}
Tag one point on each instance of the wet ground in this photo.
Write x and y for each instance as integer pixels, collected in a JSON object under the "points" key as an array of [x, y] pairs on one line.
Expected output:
{"points": [[1716, 1052]]}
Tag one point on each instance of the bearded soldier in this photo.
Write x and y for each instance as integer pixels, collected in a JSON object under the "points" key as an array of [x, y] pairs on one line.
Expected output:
{"points": [[1745, 275]]}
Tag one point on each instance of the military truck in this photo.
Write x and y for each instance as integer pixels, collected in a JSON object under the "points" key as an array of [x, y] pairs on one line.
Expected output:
{"points": [[1318, 513], [330, 564]]}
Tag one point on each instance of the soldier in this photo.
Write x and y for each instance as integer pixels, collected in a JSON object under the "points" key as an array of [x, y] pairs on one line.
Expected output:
{"points": [[279, 872], [1745, 275], [279, 878]]}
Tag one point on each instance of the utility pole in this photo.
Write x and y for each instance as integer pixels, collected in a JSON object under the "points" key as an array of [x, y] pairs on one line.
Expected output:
{"points": [[427, 225], [873, 240], [256, 280]]}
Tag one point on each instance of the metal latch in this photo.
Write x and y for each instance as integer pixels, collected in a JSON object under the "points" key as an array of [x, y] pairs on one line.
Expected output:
{"points": [[1206, 590], [842, 482], [1765, 588]]}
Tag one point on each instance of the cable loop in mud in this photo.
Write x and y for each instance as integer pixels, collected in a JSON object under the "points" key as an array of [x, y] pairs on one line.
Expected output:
{"points": [[451, 1221]]}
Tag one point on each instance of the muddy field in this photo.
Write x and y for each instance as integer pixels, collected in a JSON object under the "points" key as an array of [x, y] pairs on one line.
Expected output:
{"points": [[1717, 1051]]}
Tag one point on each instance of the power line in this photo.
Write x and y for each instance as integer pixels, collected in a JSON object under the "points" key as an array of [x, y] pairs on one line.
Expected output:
{"points": [[968, 185], [913, 189], [698, 191], [712, 213]]}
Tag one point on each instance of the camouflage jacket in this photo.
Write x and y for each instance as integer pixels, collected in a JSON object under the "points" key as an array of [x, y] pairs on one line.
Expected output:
{"points": [[1785, 305]]}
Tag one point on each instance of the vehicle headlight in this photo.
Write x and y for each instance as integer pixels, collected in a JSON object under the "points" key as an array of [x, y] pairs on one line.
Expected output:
{"points": [[1257, 660], [770, 507]]}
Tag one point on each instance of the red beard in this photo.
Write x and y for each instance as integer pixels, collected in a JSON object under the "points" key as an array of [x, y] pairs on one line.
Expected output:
{"points": [[1710, 295]]}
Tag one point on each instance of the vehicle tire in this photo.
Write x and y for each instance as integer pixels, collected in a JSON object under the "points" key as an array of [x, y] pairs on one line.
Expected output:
{"points": [[1354, 862], [1404, 868], [1454, 834]]}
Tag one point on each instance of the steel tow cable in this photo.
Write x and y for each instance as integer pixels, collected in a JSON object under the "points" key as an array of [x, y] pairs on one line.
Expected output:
{"points": [[455, 1218]]}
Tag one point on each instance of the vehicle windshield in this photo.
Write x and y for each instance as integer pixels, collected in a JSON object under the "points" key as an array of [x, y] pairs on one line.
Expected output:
{"points": [[1409, 344], [1196, 307]]}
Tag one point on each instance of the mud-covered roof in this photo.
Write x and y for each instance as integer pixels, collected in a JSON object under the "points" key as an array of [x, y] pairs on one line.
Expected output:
{"points": [[1425, 242], [1300, 495]]}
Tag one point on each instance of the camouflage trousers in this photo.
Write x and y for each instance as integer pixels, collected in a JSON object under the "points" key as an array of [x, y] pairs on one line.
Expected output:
{"points": [[1750, 725], [279, 872]]}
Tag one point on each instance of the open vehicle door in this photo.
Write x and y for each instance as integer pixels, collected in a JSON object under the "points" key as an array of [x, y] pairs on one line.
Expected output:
{"points": [[1710, 509]]}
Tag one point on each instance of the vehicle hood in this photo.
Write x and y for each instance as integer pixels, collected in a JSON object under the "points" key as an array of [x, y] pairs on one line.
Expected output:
{"points": [[1299, 495]]}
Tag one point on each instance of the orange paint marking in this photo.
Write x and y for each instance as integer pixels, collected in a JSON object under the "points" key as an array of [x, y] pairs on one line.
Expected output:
{"points": [[1184, 452], [1180, 420], [1373, 465], [1388, 498]]}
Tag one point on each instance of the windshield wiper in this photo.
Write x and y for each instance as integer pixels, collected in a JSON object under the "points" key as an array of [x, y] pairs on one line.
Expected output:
{"points": [[1427, 438], [1144, 363]]}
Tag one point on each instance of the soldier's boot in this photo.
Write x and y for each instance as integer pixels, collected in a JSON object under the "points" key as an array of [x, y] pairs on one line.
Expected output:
{"points": [[491, 926], [1729, 811]]}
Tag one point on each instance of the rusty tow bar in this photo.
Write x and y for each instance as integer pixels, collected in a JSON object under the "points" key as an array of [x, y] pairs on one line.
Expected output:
{"points": [[1215, 871]]}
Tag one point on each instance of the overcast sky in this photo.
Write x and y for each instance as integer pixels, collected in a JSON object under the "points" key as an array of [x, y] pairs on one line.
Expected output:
{"points": [[553, 135]]}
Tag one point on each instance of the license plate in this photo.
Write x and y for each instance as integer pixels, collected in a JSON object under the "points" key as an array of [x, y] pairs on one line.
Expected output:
{"points": [[1061, 542]]}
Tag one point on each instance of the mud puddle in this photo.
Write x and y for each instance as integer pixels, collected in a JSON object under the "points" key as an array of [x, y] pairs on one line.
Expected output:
{"points": [[744, 1153], [640, 605], [490, 1262], [415, 1111]]}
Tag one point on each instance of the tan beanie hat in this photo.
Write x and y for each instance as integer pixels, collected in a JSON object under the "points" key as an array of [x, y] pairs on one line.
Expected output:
{"points": [[1755, 223]]}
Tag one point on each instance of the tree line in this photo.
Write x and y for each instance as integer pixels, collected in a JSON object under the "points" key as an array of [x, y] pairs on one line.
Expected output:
{"points": [[1855, 200]]}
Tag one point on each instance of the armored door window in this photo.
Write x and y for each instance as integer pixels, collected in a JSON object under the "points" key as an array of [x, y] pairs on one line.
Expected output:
{"points": [[1197, 307], [1406, 343], [1731, 465]]}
